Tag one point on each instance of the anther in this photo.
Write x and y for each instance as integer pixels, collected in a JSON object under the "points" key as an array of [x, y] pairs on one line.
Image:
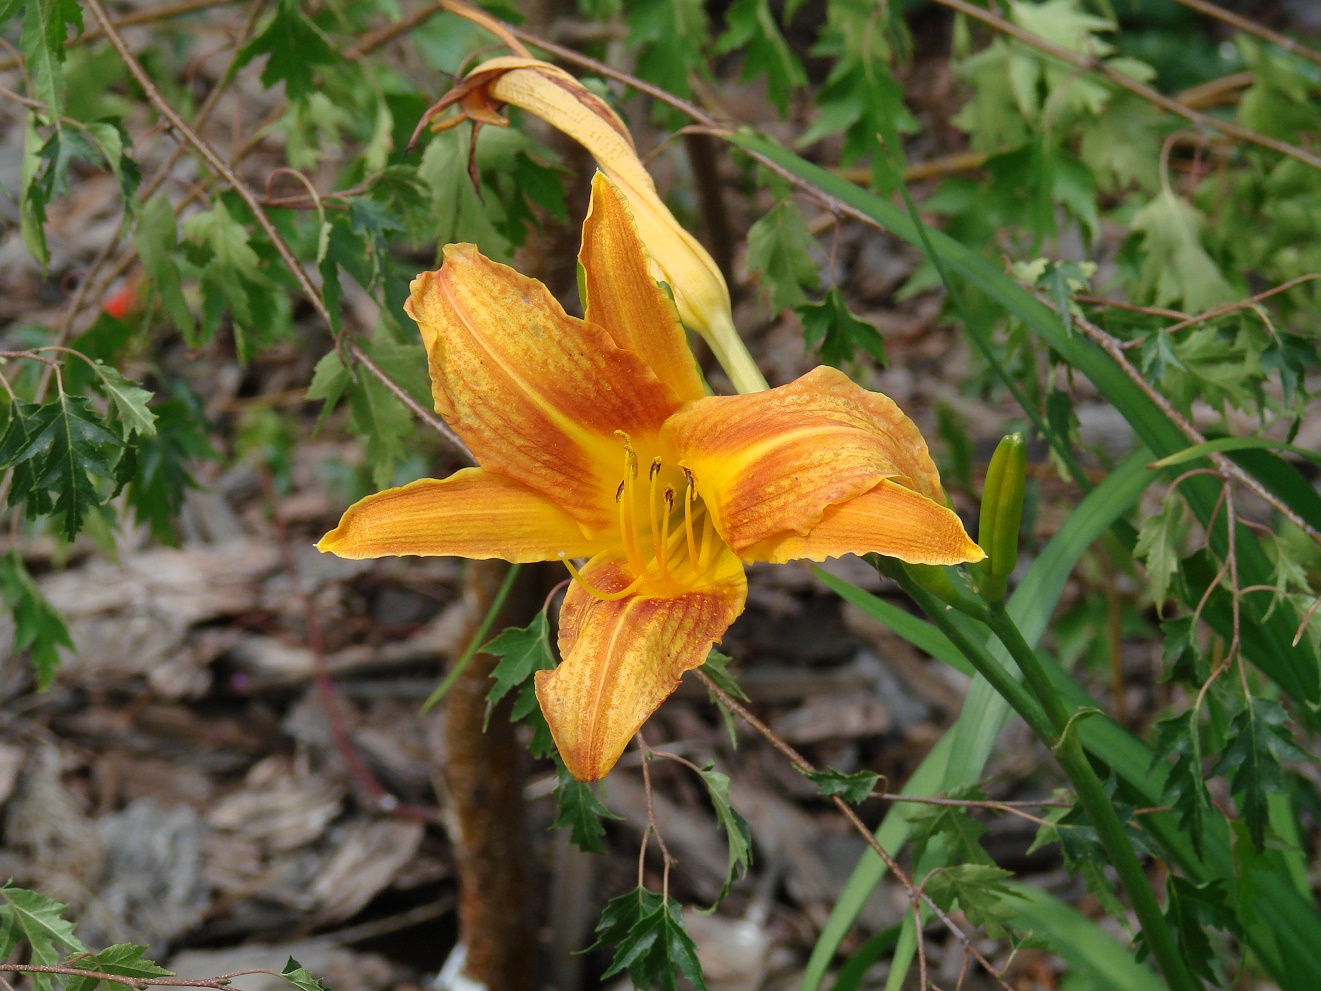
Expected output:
{"points": [[692, 482], [655, 467], [619, 492]]}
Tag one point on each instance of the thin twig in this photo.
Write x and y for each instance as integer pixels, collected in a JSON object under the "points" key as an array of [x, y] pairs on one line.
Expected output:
{"points": [[145, 192], [667, 860], [1252, 27], [151, 14], [805, 766], [1224, 465], [221, 981], [1242, 304], [186, 133], [1138, 89]]}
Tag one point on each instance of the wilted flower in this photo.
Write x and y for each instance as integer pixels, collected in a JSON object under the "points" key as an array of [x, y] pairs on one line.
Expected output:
{"points": [[677, 258]]}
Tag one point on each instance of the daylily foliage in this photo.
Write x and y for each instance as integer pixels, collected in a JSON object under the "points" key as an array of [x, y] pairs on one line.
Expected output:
{"points": [[596, 440]]}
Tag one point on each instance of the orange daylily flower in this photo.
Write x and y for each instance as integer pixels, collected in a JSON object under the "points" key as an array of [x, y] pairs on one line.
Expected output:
{"points": [[596, 440]]}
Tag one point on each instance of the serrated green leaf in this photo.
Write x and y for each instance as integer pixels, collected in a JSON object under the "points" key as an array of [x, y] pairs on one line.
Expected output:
{"points": [[1179, 655], [1159, 540], [779, 252], [38, 628], [121, 959], [716, 666], [55, 449], [1158, 356], [854, 788], [737, 835], [329, 380], [300, 977], [232, 276], [295, 47], [522, 651], [113, 143], [857, 101], [837, 334], [751, 30], [64, 145], [155, 474], [458, 209], [669, 35], [32, 197], [45, 30], [38, 922], [960, 832], [1259, 738], [981, 890], [382, 422], [651, 942], [157, 241], [1189, 907], [1178, 270], [129, 402], [581, 811], [1180, 737]]}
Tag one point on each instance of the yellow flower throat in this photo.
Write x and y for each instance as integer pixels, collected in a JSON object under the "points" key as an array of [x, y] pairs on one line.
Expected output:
{"points": [[666, 557]]}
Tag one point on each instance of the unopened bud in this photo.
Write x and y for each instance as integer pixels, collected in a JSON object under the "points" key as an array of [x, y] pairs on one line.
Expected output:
{"points": [[1002, 513]]}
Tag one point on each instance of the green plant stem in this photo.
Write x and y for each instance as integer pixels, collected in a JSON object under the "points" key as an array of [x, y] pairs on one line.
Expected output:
{"points": [[987, 666], [1041, 707], [1067, 747], [477, 642]]}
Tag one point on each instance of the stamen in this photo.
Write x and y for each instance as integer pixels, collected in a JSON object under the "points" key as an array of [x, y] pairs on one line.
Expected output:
{"points": [[657, 546], [595, 592], [663, 551], [689, 497], [619, 492], [627, 525]]}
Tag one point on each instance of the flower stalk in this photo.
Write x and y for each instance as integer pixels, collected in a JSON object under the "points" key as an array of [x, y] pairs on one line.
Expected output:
{"points": [[1040, 706]]}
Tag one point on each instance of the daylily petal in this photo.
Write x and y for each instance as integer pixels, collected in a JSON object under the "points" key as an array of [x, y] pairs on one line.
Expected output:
{"points": [[620, 294], [677, 257], [473, 513], [623, 658], [890, 519], [536, 394], [773, 462]]}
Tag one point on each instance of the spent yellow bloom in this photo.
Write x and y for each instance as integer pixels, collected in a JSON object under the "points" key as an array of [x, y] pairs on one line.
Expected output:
{"points": [[596, 441], [677, 258]]}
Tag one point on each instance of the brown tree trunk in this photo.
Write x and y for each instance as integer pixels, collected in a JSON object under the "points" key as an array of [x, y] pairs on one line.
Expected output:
{"points": [[487, 818]]}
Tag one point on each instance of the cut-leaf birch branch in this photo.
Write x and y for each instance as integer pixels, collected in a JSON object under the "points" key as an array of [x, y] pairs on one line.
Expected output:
{"points": [[804, 766], [1138, 89], [186, 133], [1225, 467]]}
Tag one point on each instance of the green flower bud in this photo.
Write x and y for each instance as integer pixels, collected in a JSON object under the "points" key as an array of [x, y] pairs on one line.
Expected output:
{"points": [[1002, 512]]}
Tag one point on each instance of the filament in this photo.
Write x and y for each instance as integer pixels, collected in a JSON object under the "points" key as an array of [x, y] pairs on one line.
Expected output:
{"points": [[595, 592], [663, 545], [627, 523]]}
